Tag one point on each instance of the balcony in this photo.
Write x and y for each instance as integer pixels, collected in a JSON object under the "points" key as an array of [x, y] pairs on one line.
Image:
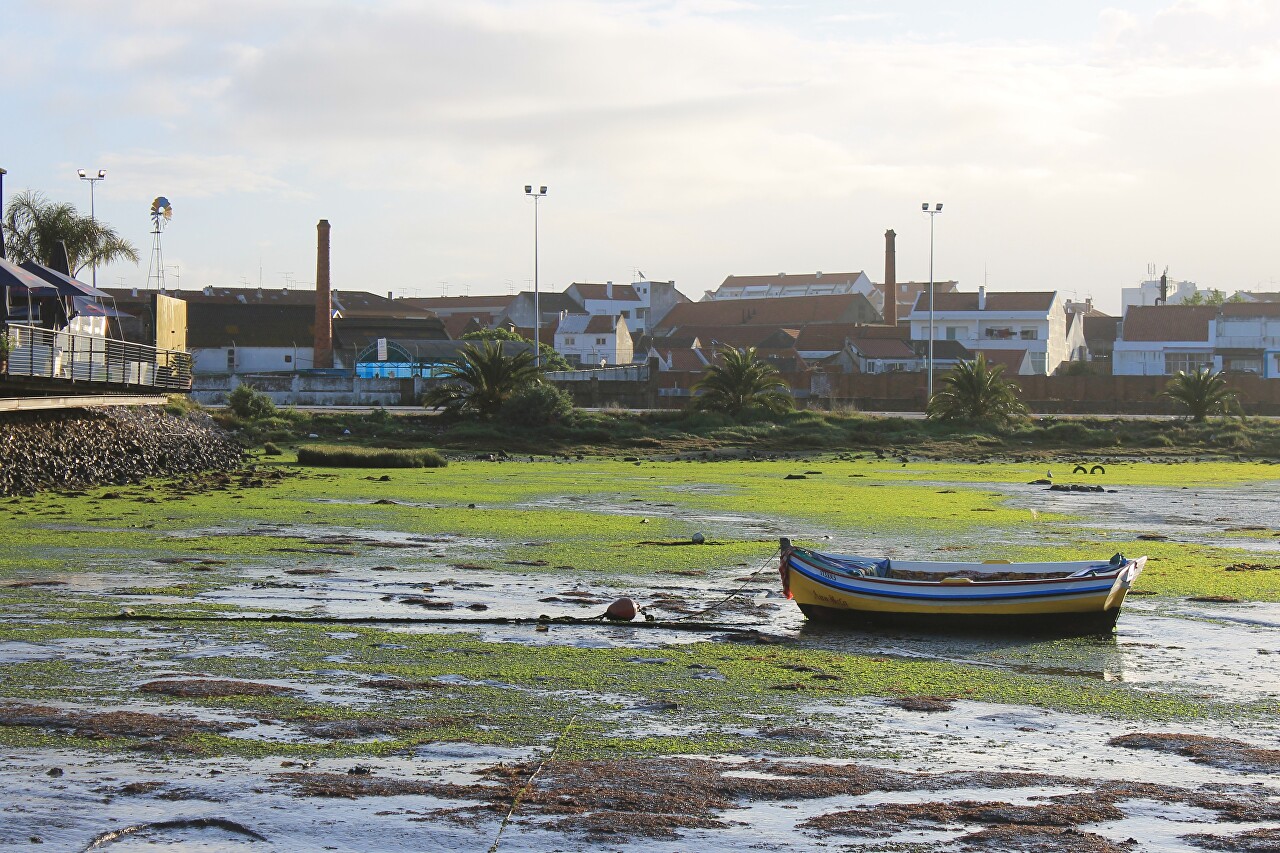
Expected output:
{"points": [[37, 353]]}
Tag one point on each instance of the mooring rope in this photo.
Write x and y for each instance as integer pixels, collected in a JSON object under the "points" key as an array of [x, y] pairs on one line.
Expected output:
{"points": [[750, 579], [528, 785]]}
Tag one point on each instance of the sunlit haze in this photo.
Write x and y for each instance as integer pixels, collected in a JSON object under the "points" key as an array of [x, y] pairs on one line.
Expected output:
{"points": [[1073, 143]]}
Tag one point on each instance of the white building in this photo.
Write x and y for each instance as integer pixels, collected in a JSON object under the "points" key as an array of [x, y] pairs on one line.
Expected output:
{"points": [[594, 341], [642, 304], [1247, 338], [1033, 322], [1148, 294]]}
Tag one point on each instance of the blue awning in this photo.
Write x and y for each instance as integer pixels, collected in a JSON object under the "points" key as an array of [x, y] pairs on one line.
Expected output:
{"points": [[67, 286], [15, 277]]}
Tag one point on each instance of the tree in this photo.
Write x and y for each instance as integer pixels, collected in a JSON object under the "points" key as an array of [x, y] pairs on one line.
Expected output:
{"points": [[481, 379], [1202, 393], [1212, 296], [974, 391], [740, 382], [34, 225], [551, 360]]}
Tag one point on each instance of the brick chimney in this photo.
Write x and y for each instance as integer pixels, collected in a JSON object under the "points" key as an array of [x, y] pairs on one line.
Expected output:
{"points": [[323, 347], [890, 311]]}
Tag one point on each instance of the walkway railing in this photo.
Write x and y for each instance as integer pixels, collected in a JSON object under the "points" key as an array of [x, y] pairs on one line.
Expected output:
{"points": [[75, 357]]}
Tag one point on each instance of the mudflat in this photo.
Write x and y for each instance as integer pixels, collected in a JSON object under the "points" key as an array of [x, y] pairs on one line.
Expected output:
{"points": [[413, 700]]}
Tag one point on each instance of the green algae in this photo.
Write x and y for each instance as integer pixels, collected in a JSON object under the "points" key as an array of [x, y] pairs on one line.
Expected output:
{"points": [[565, 520]]}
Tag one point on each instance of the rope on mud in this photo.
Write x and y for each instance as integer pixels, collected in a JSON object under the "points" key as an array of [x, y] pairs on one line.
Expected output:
{"points": [[528, 785], [594, 622], [187, 823], [750, 580]]}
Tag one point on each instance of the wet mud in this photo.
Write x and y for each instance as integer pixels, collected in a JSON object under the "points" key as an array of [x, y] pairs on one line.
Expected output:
{"points": [[764, 739]]}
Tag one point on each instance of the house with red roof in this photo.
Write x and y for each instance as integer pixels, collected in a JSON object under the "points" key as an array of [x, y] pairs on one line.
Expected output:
{"points": [[1034, 322], [1162, 340]]}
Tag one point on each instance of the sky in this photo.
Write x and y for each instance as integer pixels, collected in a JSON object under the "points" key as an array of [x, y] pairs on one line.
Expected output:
{"points": [[1075, 144]]}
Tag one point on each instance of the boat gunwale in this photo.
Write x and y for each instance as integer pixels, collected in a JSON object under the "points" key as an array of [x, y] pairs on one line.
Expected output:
{"points": [[1111, 574]]}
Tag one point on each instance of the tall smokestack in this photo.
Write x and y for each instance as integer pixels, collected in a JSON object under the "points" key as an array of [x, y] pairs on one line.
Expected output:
{"points": [[890, 311], [323, 347]]}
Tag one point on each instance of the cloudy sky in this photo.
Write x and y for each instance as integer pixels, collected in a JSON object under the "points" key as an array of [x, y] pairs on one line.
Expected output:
{"points": [[1073, 142]]}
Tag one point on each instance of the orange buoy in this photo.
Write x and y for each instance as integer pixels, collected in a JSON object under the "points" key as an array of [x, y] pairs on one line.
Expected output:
{"points": [[622, 610]]}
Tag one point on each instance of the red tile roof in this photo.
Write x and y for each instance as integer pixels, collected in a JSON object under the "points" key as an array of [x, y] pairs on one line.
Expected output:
{"points": [[883, 348], [999, 302], [684, 359], [624, 292], [1251, 309], [790, 279], [601, 324], [1168, 322], [792, 311], [459, 303], [734, 336], [1011, 358]]}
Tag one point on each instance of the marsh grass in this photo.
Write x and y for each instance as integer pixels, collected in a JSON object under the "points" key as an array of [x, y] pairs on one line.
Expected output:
{"points": [[366, 457]]}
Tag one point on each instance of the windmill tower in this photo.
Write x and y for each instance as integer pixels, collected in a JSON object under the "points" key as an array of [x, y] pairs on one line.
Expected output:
{"points": [[161, 213]]}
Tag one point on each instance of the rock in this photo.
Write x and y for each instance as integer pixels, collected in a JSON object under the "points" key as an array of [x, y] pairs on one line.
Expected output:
{"points": [[698, 539]]}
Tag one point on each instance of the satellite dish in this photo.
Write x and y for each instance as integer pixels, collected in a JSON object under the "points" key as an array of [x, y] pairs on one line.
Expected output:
{"points": [[161, 211]]}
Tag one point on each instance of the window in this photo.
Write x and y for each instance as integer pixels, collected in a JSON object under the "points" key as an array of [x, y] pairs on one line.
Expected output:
{"points": [[568, 342], [999, 334], [231, 360], [1039, 363], [1187, 362], [953, 332], [288, 359], [626, 313], [1029, 334], [601, 341]]}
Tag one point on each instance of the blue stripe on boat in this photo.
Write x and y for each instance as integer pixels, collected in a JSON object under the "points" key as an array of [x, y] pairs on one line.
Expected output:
{"points": [[880, 591]]}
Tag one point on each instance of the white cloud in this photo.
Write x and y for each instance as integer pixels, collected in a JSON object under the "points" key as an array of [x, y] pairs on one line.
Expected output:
{"points": [[711, 118]]}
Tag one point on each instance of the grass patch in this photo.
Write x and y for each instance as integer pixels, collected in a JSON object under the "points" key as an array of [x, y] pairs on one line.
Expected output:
{"points": [[323, 456]]}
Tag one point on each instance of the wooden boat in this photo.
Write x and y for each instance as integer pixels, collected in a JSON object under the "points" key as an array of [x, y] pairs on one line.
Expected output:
{"points": [[1064, 598]]}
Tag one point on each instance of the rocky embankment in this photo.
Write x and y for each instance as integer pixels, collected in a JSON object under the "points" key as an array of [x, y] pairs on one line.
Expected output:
{"points": [[88, 447]]}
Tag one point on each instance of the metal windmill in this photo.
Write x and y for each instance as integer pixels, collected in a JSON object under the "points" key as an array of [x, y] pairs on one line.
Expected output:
{"points": [[161, 213]]}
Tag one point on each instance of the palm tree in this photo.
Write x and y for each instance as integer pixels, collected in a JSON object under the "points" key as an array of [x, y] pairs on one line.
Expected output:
{"points": [[34, 225], [1201, 393], [975, 391], [740, 382], [481, 379]]}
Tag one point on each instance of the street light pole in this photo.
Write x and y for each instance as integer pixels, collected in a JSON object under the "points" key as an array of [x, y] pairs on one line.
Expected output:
{"points": [[93, 179], [937, 208], [537, 314]]}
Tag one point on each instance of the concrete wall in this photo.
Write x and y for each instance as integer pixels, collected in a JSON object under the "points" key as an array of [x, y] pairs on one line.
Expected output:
{"points": [[310, 389], [898, 392]]}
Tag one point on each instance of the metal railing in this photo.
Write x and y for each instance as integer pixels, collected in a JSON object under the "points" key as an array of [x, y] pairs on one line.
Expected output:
{"points": [[76, 357], [615, 373]]}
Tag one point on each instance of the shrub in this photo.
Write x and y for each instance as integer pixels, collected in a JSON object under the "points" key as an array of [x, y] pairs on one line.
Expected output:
{"points": [[247, 402], [363, 457], [537, 404], [270, 448]]}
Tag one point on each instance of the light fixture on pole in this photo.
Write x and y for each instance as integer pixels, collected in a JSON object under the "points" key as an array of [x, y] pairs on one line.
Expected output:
{"points": [[93, 179], [937, 208], [537, 316]]}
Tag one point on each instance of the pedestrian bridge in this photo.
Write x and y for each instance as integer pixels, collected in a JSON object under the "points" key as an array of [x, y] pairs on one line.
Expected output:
{"points": [[41, 360]]}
